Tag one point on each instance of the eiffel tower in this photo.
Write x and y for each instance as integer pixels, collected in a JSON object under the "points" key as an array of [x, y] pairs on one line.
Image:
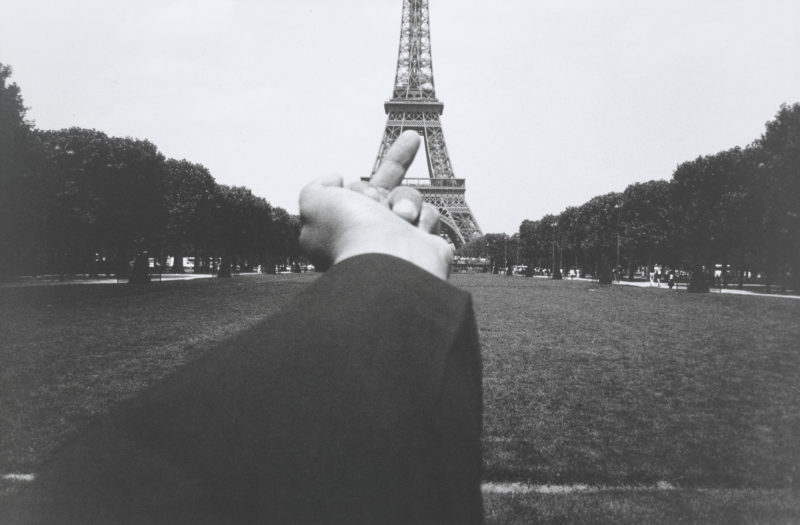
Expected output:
{"points": [[414, 106]]}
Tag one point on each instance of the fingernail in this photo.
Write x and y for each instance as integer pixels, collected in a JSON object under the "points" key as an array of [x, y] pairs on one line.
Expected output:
{"points": [[405, 208]]}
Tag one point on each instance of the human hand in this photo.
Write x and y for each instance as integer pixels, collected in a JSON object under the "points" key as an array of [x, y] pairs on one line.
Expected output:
{"points": [[385, 185], [378, 216]]}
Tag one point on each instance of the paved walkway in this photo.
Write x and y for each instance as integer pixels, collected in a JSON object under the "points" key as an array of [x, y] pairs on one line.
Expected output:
{"points": [[682, 287], [53, 280], [50, 280]]}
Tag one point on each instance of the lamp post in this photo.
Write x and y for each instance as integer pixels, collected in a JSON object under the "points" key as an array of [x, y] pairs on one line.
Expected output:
{"points": [[505, 255], [619, 214], [553, 267]]}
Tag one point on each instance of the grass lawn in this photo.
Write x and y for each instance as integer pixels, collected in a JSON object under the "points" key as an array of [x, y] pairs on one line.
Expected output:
{"points": [[618, 385], [72, 351], [609, 386]]}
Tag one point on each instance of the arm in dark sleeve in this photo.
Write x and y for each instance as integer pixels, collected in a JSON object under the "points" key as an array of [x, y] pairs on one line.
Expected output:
{"points": [[358, 404], [460, 408]]}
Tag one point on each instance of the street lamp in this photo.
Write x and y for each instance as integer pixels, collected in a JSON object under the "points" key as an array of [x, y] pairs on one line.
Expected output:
{"points": [[553, 267], [505, 255], [619, 214]]}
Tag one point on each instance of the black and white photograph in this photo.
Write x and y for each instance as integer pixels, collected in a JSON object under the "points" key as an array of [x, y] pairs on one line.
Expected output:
{"points": [[399, 262]]}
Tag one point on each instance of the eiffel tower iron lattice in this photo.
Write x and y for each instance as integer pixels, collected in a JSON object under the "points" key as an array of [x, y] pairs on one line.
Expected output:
{"points": [[414, 106]]}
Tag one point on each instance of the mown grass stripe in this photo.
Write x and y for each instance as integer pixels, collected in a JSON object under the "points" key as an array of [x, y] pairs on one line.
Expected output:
{"points": [[515, 487], [19, 477]]}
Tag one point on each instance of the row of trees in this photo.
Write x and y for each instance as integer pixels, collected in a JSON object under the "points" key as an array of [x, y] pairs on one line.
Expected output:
{"points": [[739, 209], [78, 201]]}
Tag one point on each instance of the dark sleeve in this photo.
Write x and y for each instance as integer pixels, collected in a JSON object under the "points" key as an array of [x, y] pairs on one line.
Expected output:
{"points": [[460, 409], [358, 404]]}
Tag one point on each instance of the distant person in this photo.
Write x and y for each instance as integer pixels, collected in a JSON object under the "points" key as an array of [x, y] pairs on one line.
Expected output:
{"points": [[671, 279], [361, 403]]}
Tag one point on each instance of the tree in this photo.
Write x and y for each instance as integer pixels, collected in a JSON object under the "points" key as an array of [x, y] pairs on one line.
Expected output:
{"points": [[284, 238], [645, 227], [231, 224], [78, 201], [192, 196], [474, 248], [499, 248], [572, 238], [260, 232], [737, 209], [538, 240], [714, 208], [530, 243], [244, 227], [778, 152], [106, 198], [20, 222], [496, 250], [604, 273], [598, 221]]}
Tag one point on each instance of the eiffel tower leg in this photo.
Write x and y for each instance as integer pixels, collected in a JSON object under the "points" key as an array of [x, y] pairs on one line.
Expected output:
{"points": [[448, 198], [436, 152], [456, 217], [450, 228]]}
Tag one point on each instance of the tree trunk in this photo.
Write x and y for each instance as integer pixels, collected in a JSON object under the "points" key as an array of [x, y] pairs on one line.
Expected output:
{"points": [[140, 274], [122, 268], [225, 266], [698, 282], [177, 263], [604, 275]]}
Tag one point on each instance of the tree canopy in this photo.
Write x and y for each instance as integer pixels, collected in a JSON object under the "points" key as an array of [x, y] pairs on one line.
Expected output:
{"points": [[736, 209], [79, 201]]}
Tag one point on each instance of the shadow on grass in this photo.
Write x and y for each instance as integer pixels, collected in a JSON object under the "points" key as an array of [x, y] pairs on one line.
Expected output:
{"points": [[719, 506]]}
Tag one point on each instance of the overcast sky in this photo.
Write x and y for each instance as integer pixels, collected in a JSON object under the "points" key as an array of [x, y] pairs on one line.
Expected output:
{"points": [[547, 104]]}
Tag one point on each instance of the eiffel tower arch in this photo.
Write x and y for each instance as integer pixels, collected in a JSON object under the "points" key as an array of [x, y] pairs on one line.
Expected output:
{"points": [[414, 106]]}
